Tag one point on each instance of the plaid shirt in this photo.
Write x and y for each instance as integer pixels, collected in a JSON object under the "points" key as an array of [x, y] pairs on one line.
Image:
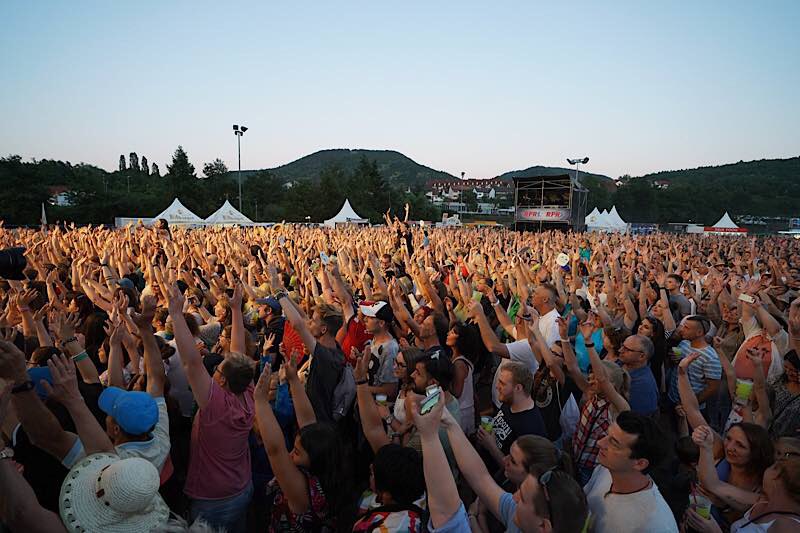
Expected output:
{"points": [[593, 426]]}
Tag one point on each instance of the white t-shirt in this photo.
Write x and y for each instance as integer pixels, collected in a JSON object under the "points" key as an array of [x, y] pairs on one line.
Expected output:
{"points": [[517, 351], [645, 511]]}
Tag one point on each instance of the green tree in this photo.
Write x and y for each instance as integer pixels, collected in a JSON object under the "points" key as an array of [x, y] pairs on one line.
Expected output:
{"points": [[215, 168], [134, 162], [145, 168], [181, 176], [155, 171], [122, 164]]}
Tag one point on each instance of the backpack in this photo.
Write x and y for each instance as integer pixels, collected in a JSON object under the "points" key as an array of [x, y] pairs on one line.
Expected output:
{"points": [[344, 394]]}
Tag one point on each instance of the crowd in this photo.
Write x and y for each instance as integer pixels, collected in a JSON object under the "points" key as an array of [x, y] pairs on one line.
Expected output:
{"points": [[398, 379]]}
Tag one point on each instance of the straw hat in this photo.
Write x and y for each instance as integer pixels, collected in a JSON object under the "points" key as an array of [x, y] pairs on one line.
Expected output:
{"points": [[105, 493]]}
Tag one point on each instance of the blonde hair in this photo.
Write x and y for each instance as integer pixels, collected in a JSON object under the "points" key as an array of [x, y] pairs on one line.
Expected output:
{"points": [[618, 377]]}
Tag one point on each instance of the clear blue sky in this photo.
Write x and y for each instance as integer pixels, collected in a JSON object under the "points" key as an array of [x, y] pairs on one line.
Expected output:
{"points": [[479, 87]]}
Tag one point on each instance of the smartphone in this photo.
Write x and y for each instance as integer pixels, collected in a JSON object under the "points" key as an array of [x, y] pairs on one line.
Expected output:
{"points": [[429, 402], [324, 258], [747, 298]]}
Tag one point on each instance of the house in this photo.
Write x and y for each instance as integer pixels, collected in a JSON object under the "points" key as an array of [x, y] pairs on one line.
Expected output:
{"points": [[59, 195]]}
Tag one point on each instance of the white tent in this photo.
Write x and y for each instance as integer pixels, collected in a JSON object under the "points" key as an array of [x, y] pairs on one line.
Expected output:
{"points": [[616, 220], [725, 226], [605, 221], [228, 215], [346, 215], [725, 222], [592, 217], [178, 214]]}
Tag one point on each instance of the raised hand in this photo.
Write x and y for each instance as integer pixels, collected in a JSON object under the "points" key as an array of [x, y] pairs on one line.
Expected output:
{"points": [[269, 342], [65, 383], [12, 362], [261, 391], [703, 436], [144, 320], [65, 326], [688, 360]]}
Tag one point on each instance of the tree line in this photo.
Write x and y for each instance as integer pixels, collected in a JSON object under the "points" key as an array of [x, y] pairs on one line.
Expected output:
{"points": [[137, 189]]}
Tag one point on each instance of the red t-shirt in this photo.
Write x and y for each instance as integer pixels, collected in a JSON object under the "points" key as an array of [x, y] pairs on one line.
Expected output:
{"points": [[356, 337]]}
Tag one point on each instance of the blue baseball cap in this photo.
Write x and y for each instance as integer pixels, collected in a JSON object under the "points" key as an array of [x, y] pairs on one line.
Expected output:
{"points": [[135, 412], [270, 301], [37, 374]]}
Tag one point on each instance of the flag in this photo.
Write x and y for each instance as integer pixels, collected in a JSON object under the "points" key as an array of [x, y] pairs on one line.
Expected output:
{"points": [[44, 216]]}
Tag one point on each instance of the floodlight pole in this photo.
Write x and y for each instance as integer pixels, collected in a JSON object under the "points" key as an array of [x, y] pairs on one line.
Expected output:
{"points": [[239, 132]]}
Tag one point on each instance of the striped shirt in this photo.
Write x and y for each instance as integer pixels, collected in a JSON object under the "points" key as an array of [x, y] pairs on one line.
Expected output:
{"points": [[705, 367]]}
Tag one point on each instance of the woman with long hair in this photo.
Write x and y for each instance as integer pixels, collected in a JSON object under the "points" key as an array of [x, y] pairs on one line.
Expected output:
{"points": [[311, 482], [462, 339]]}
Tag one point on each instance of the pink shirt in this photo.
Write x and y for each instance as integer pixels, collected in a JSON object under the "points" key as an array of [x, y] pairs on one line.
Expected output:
{"points": [[219, 465]]}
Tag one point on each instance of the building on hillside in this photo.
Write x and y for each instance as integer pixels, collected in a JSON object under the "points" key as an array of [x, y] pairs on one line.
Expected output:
{"points": [[59, 195], [661, 184], [490, 194]]}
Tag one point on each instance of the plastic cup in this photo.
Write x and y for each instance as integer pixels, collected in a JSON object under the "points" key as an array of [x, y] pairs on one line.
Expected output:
{"points": [[381, 399], [744, 388], [701, 505], [486, 423], [676, 354]]}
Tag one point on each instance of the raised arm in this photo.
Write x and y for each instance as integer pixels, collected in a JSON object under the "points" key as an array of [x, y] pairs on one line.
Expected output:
{"points": [[238, 344], [302, 405], [472, 466], [39, 423], [735, 497], [443, 499], [488, 336], [65, 391], [290, 479], [601, 374], [192, 361], [688, 398], [19, 508], [154, 366], [367, 408]]}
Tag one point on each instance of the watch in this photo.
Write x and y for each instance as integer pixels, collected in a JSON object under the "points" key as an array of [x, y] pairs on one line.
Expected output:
{"points": [[389, 419], [6, 453]]}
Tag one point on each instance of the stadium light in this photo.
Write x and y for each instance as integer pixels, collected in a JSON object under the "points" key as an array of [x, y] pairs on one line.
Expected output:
{"points": [[577, 162], [239, 131]]}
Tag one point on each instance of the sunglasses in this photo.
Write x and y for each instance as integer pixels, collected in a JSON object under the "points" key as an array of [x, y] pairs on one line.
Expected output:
{"points": [[544, 480]]}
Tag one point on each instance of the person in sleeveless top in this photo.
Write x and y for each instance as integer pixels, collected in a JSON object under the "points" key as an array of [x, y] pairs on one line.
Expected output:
{"points": [[460, 339]]}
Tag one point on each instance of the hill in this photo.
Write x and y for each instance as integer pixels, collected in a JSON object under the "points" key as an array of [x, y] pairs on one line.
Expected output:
{"points": [[767, 187], [395, 167]]}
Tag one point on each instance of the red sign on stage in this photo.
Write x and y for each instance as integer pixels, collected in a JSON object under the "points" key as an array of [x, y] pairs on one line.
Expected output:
{"points": [[543, 214], [724, 230]]}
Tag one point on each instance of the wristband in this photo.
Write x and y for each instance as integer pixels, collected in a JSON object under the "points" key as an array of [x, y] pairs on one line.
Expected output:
{"points": [[361, 382], [23, 309], [80, 357], [496, 303], [590, 345], [23, 387]]}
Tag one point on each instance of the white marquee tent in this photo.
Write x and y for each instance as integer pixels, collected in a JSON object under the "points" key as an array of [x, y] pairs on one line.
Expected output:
{"points": [[605, 221], [176, 214], [346, 215], [616, 220], [228, 215], [724, 226], [179, 214]]}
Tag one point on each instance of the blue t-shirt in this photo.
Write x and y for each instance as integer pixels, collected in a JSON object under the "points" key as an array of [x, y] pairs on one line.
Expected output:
{"points": [[643, 397], [458, 523], [508, 508], [582, 353]]}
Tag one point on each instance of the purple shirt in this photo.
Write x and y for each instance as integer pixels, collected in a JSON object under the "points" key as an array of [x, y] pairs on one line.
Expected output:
{"points": [[219, 465]]}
